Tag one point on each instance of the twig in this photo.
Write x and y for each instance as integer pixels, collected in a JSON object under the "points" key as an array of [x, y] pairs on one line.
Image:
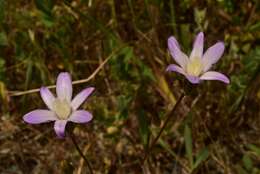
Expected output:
{"points": [[19, 93]]}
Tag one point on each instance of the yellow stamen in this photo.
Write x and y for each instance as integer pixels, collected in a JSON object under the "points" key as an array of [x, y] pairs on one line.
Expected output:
{"points": [[62, 109], [194, 67]]}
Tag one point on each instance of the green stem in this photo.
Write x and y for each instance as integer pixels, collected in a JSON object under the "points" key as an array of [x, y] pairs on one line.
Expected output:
{"points": [[173, 18]]}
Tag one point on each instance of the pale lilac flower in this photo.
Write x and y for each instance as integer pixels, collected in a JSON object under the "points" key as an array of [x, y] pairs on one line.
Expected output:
{"points": [[196, 67], [61, 108]]}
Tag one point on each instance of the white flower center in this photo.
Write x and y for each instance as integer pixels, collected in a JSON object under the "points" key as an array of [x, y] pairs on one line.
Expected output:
{"points": [[194, 67], [62, 108]]}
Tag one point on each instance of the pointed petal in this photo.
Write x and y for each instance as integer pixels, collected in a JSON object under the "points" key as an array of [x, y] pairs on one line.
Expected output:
{"points": [[59, 127], [175, 68], [39, 116], [47, 97], [193, 79], [81, 97], [176, 53], [197, 50], [212, 55], [81, 116], [64, 86], [213, 75], [172, 42]]}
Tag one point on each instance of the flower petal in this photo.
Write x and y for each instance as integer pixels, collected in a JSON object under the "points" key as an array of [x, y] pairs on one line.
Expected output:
{"points": [[39, 116], [212, 55], [64, 86], [81, 116], [59, 127], [176, 53], [213, 75], [197, 50], [193, 79], [47, 97], [81, 97], [175, 68]]}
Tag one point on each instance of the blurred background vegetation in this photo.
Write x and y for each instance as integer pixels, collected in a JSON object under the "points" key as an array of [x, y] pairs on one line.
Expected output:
{"points": [[215, 130]]}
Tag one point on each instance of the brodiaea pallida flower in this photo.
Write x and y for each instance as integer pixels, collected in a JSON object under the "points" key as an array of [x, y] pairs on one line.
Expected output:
{"points": [[196, 67], [61, 108]]}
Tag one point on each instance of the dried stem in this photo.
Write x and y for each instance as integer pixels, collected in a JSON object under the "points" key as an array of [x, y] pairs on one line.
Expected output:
{"points": [[19, 93]]}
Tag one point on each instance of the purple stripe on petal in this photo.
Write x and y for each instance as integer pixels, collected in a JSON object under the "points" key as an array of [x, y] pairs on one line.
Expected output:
{"points": [[197, 50], [39, 116], [212, 55], [176, 53], [81, 116], [213, 75], [59, 127], [193, 79], [47, 97], [64, 86], [175, 68], [81, 97]]}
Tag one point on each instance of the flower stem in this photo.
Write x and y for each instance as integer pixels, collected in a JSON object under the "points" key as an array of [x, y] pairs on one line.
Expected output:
{"points": [[163, 127], [72, 137]]}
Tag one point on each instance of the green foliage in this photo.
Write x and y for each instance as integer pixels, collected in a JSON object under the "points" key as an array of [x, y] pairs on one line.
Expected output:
{"points": [[46, 7], [254, 148], [123, 105], [143, 126], [3, 39], [40, 38], [247, 162], [2, 10], [240, 83], [188, 144], [200, 157]]}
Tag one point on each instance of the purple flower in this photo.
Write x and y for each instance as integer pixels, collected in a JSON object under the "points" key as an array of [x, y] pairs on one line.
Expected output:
{"points": [[196, 67], [61, 108]]}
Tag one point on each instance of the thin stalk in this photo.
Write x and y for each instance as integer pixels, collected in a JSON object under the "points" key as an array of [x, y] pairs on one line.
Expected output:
{"points": [[72, 137], [169, 116], [113, 10], [173, 17]]}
